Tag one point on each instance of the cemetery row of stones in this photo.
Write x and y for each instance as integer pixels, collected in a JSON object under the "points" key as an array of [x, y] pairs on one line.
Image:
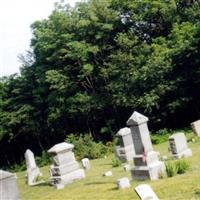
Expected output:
{"points": [[134, 143]]}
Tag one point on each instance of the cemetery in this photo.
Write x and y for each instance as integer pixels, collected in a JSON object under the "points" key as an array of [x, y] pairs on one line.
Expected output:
{"points": [[145, 177], [106, 102]]}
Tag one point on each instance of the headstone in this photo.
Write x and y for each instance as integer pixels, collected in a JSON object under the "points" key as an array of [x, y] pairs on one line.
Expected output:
{"points": [[125, 148], [65, 169], [8, 186], [126, 167], [123, 183], [196, 127], [108, 173], [145, 192], [178, 146], [147, 165], [86, 163], [33, 172]]}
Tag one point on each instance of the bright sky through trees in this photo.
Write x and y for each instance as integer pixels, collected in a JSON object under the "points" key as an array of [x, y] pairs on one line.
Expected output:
{"points": [[15, 34]]}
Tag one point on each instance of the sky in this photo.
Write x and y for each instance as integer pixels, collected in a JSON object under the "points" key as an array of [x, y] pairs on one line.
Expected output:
{"points": [[16, 16]]}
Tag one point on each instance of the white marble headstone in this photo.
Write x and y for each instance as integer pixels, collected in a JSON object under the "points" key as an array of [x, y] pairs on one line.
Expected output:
{"points": [[86, 163], [145, 192]]}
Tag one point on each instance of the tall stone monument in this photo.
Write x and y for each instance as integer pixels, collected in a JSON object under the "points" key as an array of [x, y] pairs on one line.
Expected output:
{"points": [[178, 146], [8, 186], [147, 165], [125, 147], [65, 168], [33, 172]]}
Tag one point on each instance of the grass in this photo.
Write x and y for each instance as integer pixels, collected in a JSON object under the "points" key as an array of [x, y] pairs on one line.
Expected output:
{"points": [[94, 186]]}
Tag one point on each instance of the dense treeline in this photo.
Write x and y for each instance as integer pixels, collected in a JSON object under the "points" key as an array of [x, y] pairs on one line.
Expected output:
{"points": [[90, 66]]}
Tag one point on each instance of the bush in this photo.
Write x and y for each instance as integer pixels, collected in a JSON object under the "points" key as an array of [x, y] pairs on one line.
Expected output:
{"points": [[182, 166], [116, 162], [43, 160], [85, 146], [160, 136], [171, 169]]}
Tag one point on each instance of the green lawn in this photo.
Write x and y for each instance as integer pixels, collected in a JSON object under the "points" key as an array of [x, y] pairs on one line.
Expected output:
{"points": [[94, 186]]}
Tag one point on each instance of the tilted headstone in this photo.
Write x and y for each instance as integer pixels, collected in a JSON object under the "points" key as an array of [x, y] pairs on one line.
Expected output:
{"points": [[145, 192], [86, 163], [178, 146], [33, 172], [147, 165], [8, 186], [125, 148], [196, 127], [65, 169], [123, 183]]}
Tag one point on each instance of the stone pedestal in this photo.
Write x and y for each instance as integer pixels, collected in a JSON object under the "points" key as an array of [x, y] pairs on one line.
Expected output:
{"points": [[196, 127], [8, 186], [65, 168], [147, 165], [125, 148], [178, 146], [33, 172]]}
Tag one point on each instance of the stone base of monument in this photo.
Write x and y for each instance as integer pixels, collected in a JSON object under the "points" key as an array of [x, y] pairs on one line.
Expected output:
{"points": [[152, 171], [125, 154], [67, 178], [184, 154]]}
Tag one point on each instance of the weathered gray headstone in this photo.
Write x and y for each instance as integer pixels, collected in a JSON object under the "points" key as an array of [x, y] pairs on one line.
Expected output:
{"points": [[125, 148], [145, 192], [147, 165], [178, 146], [86, 163], [196, 127], [123, 183], [33, 172], [8, 186], [65, 169]]}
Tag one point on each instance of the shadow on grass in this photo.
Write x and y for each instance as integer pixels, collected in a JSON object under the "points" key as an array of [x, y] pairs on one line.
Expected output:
{"points": [[98, 183], [197, 193], [42, 184]]}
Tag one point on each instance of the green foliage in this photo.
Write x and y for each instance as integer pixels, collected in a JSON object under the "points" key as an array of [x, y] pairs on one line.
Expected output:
{"points": [[43, 160], [176, 167], [160, 136], [90, 65], [182, 166], [116, 162], [171, 169], [85, 146]]}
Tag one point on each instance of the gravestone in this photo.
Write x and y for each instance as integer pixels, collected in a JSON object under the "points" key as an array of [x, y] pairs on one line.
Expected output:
{"points": [[108, 173], [147, 165], [86, 163], [145, 192], [123, 183], [65, 169], [33, 172], [125, 147], [196, 127], [178, 146], [8, 186], [126, 167]]}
